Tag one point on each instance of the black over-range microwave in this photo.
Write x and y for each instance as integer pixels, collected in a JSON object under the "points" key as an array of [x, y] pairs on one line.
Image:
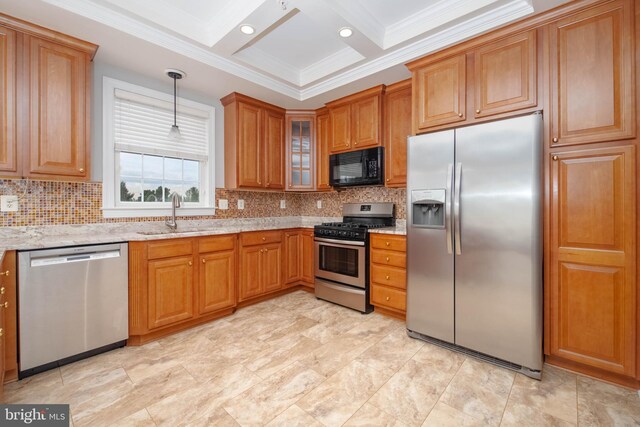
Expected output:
{"points": [[362, 167]]}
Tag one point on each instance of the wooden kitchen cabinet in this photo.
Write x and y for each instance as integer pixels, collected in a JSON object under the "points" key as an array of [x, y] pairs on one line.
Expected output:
{"points": [[356, 120], [439, 93], [591, 290], [505, 75], [301, 150], [170, 291], [261, 264], [388, 274], [45, 91], [9, 317], [323, 141], [178, 283], [254, 143], [299, 253], [592, 75], [397, 128]]}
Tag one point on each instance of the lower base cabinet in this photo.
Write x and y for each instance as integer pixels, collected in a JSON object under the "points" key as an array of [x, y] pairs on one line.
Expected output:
{"points": [[166, 290], [299, 257], [261, 264], [388, 274]]}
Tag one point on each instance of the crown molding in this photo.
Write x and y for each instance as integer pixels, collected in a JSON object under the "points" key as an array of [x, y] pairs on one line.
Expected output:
{"points": [[331, 64], [258, 58]]}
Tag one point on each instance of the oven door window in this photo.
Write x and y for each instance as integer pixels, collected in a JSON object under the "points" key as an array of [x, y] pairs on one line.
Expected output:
{"points": [[339, 260]]}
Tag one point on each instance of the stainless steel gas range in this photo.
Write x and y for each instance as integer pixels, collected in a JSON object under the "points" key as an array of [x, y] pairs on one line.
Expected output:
{"points": [[342, 254]]}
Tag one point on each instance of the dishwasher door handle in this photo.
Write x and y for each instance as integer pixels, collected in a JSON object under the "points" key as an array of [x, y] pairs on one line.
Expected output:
{"points": [[64, 259]]}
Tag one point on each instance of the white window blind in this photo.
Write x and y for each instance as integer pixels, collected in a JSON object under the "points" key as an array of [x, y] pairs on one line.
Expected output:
{"points": [[142, 125]]}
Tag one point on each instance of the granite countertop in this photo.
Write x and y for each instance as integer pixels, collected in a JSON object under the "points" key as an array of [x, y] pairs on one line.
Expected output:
{"points": [[400, 229], [20, 238]]}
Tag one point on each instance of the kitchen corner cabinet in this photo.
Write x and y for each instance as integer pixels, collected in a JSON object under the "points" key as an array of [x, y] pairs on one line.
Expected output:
{"points": [[254, 143], [177, 283], [592, 75], [388, 274], [8, 318], [591, 282], [260, 264], [299, 257], [323, 141], [45, 90], [300, 149], [397, 128], [356, 120]]}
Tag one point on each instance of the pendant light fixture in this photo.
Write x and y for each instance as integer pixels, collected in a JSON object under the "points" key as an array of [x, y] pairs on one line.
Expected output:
{"points": [[174, 133]]}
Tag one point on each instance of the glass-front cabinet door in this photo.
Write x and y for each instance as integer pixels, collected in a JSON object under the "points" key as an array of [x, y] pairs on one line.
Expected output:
{"points": [[300, 151]]}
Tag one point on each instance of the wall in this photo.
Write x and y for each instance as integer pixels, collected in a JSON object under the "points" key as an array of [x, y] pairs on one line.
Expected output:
{"points": [[56, 203]]}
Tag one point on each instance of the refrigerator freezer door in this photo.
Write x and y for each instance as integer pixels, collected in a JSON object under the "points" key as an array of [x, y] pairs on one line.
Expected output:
{"points": [[498, 273], [430, 295]]}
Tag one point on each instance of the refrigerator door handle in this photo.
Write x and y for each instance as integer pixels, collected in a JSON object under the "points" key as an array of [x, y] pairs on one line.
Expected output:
{"points": [[447, 209], [456, 209]]}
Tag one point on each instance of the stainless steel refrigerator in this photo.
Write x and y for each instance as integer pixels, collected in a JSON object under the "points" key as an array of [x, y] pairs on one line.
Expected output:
{"points": [[474, 241]]}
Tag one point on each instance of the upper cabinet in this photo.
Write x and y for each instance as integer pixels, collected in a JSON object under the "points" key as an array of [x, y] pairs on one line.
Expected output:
{"points": [[300, 143], [397, 128], [592, 75], [323, 138], [253, 143], [45, 102], [356, 120], [496, 78]]}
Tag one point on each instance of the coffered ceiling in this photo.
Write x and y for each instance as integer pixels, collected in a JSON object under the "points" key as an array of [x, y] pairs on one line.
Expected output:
{"points": [[296, 50]]}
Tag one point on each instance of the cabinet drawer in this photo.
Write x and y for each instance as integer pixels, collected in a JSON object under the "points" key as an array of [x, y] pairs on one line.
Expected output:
{"points": [[216, 243], [260, 237], [169, 248], [381, 296], [389, 242], [389, 276], [396, 259]]}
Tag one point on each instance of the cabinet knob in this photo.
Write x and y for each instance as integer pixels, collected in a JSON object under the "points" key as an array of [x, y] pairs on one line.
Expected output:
{"points": [[81, 170], [477, 111], [388, 179], [204, 261], [387, 277], [346, 144], [387, 259], [355, 143], [2, 290], [459, 114], [387, 243], [1, 332], [555, 139], [4, 273], [190, 263], [268, 184], [388, 298], [5, 305], [555, 157], [264, 238]]}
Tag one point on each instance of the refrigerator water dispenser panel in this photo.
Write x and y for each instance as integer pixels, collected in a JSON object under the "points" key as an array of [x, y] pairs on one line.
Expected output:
{"points": [[428, 208]]}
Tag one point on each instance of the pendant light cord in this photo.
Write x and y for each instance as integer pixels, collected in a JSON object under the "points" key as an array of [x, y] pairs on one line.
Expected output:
{"points": [[175, 123]]}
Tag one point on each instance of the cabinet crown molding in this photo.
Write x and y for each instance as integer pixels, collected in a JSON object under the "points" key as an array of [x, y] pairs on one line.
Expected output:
{"points": [[376, 90], [235, 96]]}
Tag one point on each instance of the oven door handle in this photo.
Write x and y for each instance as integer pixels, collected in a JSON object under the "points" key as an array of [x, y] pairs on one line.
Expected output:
{"points": [[341, 243]]}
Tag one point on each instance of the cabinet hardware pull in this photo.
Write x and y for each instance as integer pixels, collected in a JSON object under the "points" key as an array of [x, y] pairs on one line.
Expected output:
{"points": [[346, 144], [204, 261], [555, 139], [387, 243], [387, 259], [5, 305], [81, 170], [477, 111], [264, 238], [459, 114], [387, 277], [190, 263], [2, 290], [388, 298], [555, 157], [4, 273], [1, 332], [387, 179]]}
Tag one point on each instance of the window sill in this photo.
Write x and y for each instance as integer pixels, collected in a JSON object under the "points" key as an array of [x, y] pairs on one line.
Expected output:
{"points": [[154, 212]]}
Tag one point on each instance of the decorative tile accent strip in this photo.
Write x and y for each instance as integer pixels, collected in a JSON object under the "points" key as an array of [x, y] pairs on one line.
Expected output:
{"points": [[58, 203]]}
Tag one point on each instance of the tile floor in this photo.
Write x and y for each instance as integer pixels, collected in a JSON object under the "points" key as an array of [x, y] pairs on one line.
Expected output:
{"points": [[298, 361]]}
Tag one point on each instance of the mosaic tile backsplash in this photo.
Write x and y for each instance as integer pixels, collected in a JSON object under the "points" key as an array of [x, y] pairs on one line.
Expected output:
{"points": [[57, 203]]}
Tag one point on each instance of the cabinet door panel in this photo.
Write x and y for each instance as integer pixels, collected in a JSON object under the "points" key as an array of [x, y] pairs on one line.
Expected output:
{"points": [[308, 257], [249, 145], [592, 72], [292, 252], [505, 75], [272, 267], [323, 133], [340, 128], [274, 150], [58, 109], [170, 291], [592, 279], [8, 143], [250, 272], [397, 111], [217, 281], [365, 116], [440, 93]]}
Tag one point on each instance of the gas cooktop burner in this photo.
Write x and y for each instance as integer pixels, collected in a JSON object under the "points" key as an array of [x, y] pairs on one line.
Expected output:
{"points": [[352, 225]]}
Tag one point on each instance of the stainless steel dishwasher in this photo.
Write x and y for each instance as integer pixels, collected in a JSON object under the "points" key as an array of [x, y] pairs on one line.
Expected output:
{"points": [[72, 303]]}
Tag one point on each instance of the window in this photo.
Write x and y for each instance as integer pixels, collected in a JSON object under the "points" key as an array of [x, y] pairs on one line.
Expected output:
{"points": [[142, 168]]}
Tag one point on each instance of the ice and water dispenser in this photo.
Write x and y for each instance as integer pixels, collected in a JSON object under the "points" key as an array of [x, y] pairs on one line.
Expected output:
{"points": [[428, 208]]}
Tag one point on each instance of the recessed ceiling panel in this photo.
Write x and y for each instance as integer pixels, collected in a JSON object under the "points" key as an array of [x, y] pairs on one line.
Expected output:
{"points": [[202, 9], [390, 12]]}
